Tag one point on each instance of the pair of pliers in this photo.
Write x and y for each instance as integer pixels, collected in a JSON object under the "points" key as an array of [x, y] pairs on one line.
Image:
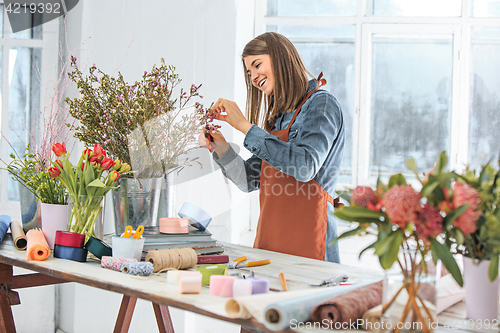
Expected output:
{"points": [[237, 263]]}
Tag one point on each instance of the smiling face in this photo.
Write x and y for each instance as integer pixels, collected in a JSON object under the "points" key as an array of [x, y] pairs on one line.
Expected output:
{"points": [[260, 70]]}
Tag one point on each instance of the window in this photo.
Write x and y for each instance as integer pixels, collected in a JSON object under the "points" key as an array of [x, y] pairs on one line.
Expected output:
{"points": [[413, 78], [24, 56]]}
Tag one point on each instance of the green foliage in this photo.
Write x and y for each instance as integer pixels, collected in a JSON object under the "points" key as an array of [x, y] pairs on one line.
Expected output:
{"points": [[31, 172]]}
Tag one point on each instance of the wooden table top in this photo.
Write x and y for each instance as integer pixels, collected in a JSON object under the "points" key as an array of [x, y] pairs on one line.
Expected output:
{"points": [[299, 272]]}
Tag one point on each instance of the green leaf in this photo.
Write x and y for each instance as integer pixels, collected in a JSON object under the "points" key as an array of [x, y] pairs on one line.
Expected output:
{"points": [[345, 195], [448, 220], [493, 269], [391, 255], [412, 165], [440, 163], [357, 211], [442, 252], [349, 233], [371, 246], [429, 187], [96, 183], [397, 179]]}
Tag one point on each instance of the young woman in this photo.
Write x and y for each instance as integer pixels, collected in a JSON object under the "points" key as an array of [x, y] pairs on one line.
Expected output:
{"points": [[296, 155]]}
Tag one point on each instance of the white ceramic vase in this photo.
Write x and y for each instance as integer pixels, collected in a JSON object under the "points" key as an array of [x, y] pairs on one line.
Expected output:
{"points": [[54, 217], [481, 295]]}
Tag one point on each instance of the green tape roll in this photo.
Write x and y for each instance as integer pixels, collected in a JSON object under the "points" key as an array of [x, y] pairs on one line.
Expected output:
{"points": [[208, 270], [98, 248]]}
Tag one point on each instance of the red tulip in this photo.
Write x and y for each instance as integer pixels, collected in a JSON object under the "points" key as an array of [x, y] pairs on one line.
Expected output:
{"points": [[59, 149], [107, 163], [87, 153], [59, 163], [125, 168], [83, 165], [98, 151], [113, 176], [54, 172], [118, 164], [94, 161]]}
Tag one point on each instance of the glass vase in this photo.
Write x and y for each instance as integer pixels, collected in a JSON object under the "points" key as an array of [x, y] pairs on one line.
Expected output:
{"points": [[85, 213], [409, 297]]}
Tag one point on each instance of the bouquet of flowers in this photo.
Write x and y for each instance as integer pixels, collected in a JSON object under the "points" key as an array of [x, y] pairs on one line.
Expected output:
{"points": [[480, 240], [410, 224], [86, 183], [32, 173], [141, 124]]}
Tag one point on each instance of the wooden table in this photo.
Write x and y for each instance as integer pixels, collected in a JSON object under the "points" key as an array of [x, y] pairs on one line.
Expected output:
{"points": [[299, 272]]}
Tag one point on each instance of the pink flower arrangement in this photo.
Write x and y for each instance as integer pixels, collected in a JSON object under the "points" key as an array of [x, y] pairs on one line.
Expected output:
{"points": [[402, 204]]}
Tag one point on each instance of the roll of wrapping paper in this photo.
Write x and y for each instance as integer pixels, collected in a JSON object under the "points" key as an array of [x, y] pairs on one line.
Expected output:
{"points": [[208, 270], [98, 248], [37, 247], [70, 253], [18, 235], [4, 225], [71, 239], [279, 315], [114, 263], [349, 307], [137, 268]]}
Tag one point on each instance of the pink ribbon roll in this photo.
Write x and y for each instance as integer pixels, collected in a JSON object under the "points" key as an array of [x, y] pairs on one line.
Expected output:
{"points": [[174, 225], [242, 287], [221, 285], [190, 282], [114, 263]]}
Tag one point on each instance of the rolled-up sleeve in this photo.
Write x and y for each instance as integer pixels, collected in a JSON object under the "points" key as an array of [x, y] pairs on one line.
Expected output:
{"points": [[303, 156]]}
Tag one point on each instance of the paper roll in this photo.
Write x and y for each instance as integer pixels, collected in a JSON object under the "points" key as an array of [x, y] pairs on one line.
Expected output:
{"points": [[221, 285], [242, 287], [37, 246], [18, 235], [4, 225], [189, 282], [371, 319], [208, 270]]}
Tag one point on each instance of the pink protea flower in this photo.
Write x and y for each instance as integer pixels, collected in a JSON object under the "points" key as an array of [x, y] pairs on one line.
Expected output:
{"points": [[362, 195], [429, 222], [465, 194], [402, 204]]}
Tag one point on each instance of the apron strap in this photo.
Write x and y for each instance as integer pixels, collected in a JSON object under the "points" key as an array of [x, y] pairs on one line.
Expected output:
{"points": [[321, 83]]}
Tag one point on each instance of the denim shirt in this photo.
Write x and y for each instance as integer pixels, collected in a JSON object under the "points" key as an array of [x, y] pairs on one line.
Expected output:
{"points": [[314, 151]]}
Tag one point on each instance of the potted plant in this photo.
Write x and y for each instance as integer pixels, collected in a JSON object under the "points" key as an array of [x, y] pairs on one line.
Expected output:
{"points": [[480, 242], [410, 225], [141, 124]]}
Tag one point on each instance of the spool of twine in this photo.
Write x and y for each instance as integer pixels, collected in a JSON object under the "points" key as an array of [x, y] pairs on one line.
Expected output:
{"points": [[172, 259]]}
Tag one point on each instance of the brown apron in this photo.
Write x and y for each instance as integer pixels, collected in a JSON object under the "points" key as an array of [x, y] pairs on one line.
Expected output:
{"points": [[293, 214]]}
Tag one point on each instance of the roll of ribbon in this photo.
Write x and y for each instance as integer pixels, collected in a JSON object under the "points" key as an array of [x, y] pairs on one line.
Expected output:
{"points": [[221, 285], [37, 247], [114, 263], [137, 268], [259, 285], [208, 270], [18, 235], [242, 287], [174, 225], [70, 253], [4, 225], [189, 282], [98, 248], [198, 218], [173, 277], [71, 239]]}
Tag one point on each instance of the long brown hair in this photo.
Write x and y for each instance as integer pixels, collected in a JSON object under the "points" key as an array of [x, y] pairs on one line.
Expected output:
{"points": [[290, 84]]}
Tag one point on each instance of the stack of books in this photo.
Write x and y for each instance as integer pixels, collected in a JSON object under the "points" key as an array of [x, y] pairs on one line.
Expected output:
{"points": [[200, 241]]}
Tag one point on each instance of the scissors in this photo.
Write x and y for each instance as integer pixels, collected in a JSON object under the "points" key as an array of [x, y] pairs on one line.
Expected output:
{"points": [[137, 233], [237, 263]]}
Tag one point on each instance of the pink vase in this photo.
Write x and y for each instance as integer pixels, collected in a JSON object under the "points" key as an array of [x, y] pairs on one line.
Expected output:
{"points": [[54, 217], [481, 295]]}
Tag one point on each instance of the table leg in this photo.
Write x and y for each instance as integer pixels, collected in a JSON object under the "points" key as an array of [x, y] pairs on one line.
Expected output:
{"points": [[163, 318], [7, 320], [125, 314]]}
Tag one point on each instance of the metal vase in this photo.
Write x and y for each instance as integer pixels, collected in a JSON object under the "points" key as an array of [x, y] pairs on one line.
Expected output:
{"points": [[31, 216], [136, 202]]}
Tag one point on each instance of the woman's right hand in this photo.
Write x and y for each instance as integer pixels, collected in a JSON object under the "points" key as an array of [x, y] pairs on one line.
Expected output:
{"points": [[219, 144]]}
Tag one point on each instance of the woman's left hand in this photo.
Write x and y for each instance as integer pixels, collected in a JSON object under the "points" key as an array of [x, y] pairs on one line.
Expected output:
{"points": [[233, 115]]}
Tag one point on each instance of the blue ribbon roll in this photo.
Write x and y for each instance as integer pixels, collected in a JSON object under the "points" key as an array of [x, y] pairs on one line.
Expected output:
{"points": [[70, 253], [138, 268], [4, 225]]}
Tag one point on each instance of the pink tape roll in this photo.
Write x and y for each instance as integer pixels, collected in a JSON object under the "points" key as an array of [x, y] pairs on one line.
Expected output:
{"points": [[114, 263], [190, 282], [242, 287], [174, 225], [221, 285]]}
